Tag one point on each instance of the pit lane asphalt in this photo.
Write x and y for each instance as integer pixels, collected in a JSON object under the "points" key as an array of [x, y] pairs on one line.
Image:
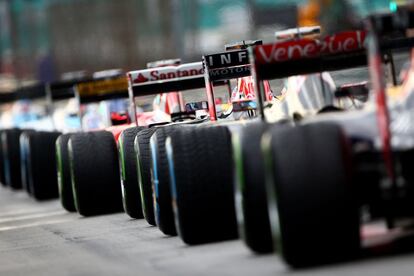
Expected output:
{"points": [[42, 239]]}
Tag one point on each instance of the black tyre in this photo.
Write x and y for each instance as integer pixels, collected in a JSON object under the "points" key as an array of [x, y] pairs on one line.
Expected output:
{"points": [[142, 150], [251, 200], [11, 150], [164, 215], [24, 159], [313, 215], [129, 175], [95, 173], [200, 162], [41, 164], [63, 173]]}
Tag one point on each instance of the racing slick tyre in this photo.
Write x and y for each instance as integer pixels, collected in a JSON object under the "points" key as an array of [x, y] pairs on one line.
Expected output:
{"points": [[95, 173], [129, 176], [251, 201], [63, 173], [24, 159], [11, 150], [200, 164], [41, 165], [142, 150], [164, 215], [314, 217]]}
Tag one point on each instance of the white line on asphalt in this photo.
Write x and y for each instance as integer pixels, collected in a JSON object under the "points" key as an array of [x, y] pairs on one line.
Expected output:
{"points": [[34, 216], [24, 211], [6, 228]]}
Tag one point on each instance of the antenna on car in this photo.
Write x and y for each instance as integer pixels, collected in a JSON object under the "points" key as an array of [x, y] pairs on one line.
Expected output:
{"points": [[107, 73], [244, 44], [298, 32], [164, 62], [73, 75]]}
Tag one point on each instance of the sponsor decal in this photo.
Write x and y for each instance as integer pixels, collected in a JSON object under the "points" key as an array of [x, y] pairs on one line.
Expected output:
{"points": [[227, 59], [243, 70], [102, 87], [344, 42], [140, 78], [166, 73]]}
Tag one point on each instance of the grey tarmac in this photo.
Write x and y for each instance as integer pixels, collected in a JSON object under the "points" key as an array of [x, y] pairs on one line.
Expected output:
{"points": [[42, 239]]}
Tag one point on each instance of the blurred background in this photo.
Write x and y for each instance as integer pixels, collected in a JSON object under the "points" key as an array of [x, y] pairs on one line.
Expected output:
{"points": [[41, 39]]}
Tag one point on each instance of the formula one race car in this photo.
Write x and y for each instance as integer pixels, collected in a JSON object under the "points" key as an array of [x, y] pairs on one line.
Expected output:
{"points": [[27, 145], [153, 177], [88, 161], [200, 161], [331, 176], [65, 109], [61, 115], [136, 188], [305, 95], [95, 167]]}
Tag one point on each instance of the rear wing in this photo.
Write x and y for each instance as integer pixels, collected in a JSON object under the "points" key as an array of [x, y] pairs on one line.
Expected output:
{"points": [[65, 89], [87, 88], [96, 90], [223, 67], [7, 97], [335, 52], [304, 56], [227, 65], [31, 92], [165, 79]]}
